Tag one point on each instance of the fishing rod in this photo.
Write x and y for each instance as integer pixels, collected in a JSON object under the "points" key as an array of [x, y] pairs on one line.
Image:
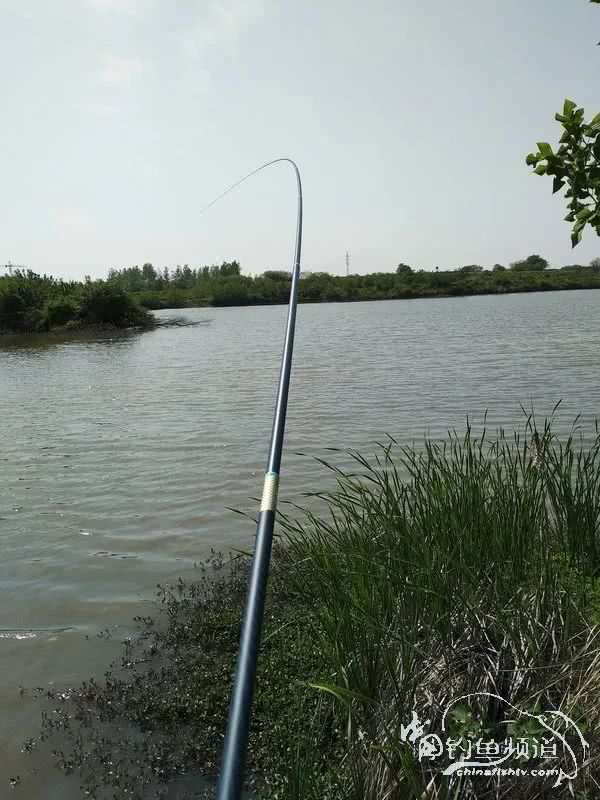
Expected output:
{"points": [[240, 709]]}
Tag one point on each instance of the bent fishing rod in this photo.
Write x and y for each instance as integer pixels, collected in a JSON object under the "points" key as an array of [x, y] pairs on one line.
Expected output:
{"points": [[240, 709]]}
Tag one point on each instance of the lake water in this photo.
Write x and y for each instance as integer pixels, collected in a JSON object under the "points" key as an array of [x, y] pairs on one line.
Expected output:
{"points": [[120, 457]]}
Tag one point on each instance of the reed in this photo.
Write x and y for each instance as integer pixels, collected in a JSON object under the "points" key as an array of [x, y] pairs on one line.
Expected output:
{"points": [[463, 566]]}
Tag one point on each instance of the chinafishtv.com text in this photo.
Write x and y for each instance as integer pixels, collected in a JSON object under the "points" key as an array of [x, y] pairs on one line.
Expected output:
{"points": [[541, 773]]}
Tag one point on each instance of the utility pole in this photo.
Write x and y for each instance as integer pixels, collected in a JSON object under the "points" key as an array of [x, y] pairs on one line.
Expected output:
{"points": [[347, 264], [10, 267]]}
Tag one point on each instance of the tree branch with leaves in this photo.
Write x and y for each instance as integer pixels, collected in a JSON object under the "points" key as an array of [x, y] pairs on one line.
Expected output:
{"points": [[575, 164]]}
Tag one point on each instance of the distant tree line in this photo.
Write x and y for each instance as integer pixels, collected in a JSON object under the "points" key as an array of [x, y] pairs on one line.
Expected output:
{"points": [[225, 285], [148, 278], [533, 263]]}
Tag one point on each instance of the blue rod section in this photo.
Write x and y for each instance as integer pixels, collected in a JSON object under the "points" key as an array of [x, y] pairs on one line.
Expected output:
{"points": [[236, 736]]}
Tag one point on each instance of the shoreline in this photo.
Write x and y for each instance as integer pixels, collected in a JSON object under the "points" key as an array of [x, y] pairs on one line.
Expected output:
{"points": [[86, 331], [99, 331]]}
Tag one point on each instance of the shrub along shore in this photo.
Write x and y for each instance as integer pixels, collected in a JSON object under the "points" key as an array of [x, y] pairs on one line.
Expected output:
{"points": [[463, 566], [31, 303]]}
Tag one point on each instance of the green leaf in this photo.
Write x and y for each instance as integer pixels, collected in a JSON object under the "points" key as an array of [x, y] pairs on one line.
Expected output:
{"points": [[531, 159], [565, 137], [345, 695], [545, 149], [570, 217], [569, 107], [575, 238], [540, 169], [461, 713], [557, 185], [585, 213]]}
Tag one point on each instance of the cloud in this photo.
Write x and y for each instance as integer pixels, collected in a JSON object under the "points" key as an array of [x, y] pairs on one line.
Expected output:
{"points": [[73, 223], [120, 6], [120, 71], [232, 14], [99, 109], [219, 21], [194, 43], [198, 81], [217, 24], [194, 47]]}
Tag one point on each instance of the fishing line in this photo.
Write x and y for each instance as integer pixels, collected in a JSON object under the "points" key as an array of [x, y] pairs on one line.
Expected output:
{"points": [[245, 178]]}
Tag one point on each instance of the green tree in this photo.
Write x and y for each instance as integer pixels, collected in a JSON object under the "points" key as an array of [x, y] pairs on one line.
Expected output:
{"points": [[187, 277], [229, 268], [106, 303], [60, 310], [576, 164], [403, 269], [277, 275], [149, 275], [498, 268], [595, 262], [177, 277], [234, 290], [471, 268], [533, 263]]}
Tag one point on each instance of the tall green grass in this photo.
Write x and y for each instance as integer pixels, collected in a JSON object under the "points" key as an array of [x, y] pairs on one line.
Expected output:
{"points": [[465, 566]]}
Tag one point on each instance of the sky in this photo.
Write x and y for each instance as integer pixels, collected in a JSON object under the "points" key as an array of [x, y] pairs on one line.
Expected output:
{"points": [[409, 120]]}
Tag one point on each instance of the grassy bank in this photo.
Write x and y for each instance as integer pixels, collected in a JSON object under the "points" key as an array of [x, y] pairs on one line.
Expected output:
{"points": [[463, 566], [31, 303]]}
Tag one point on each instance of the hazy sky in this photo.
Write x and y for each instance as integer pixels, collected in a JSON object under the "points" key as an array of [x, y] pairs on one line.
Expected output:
{"points": [[410, 121]]}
